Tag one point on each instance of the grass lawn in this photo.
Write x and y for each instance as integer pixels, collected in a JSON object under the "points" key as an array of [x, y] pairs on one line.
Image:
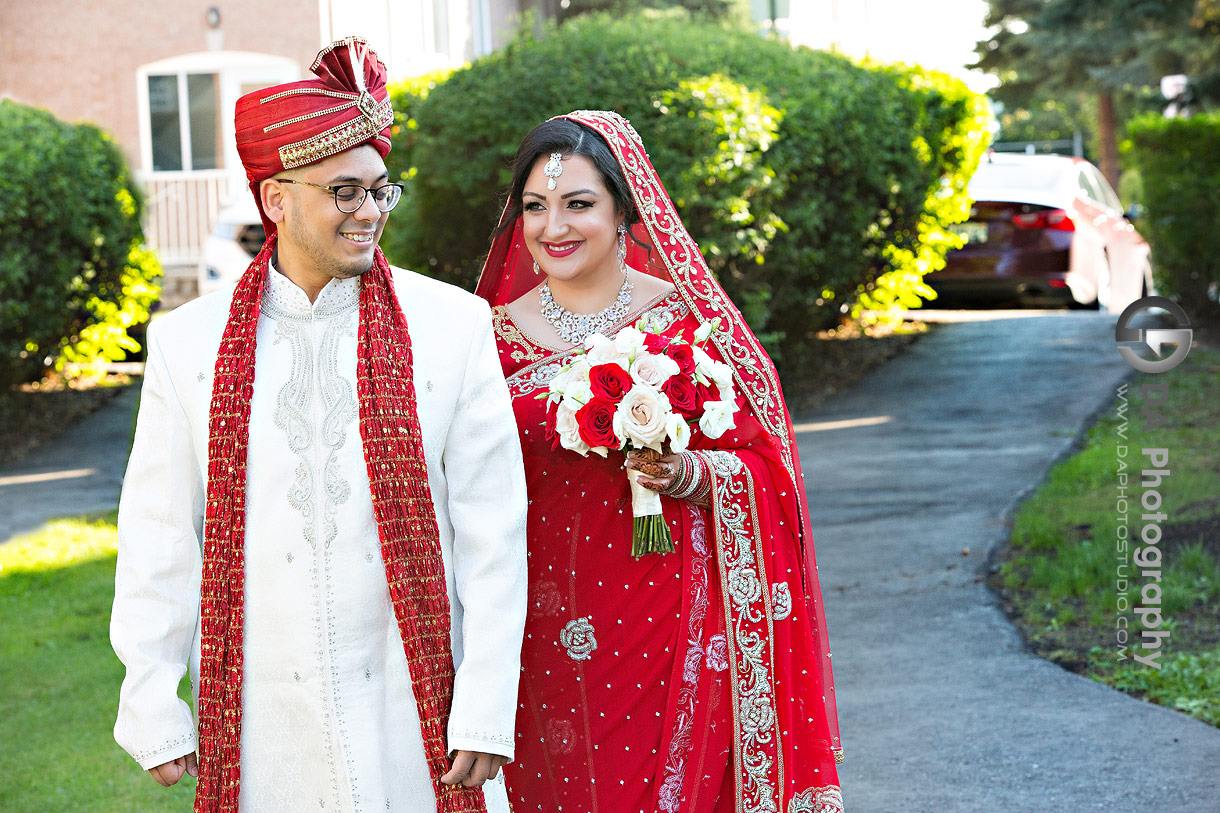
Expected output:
{"points": [[1060, 579], [59, 679]]}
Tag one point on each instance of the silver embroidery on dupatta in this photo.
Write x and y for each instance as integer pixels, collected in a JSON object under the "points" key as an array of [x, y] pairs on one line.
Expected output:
{"points": [[670, 795], [577, 638], [665, 313], [781, 601], [826, 799], [536, 377], [753, 689]]}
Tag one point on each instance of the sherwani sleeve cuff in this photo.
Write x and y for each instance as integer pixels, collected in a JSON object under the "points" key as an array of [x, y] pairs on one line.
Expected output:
{"points": [[166, 751], [481, 741]]}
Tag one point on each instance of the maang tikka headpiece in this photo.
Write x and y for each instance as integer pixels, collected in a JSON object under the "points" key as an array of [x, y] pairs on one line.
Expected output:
{"points": [[553, 169]]}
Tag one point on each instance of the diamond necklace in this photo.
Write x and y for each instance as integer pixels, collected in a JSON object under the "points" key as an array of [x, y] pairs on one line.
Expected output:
{"points": [[574, 328]]}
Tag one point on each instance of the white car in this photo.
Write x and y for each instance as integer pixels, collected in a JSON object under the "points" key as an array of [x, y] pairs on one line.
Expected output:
{"points": [[235, 241], [1046, 229]]}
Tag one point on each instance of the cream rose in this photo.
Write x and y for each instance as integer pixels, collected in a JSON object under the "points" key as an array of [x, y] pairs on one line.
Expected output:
{"points": [[717, 418], [653, 370], [569, 431], [642, 417]]}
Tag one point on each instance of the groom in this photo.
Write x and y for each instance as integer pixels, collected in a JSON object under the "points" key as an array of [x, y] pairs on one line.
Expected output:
{"points": [[324, 509]]}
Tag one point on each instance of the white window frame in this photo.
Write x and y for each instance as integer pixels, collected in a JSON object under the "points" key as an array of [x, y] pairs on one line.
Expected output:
{"points": [[232, 69], [480, 24]]}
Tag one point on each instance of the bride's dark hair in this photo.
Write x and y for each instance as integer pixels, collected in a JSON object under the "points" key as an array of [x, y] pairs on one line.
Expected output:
{"points": [[566, 137]]}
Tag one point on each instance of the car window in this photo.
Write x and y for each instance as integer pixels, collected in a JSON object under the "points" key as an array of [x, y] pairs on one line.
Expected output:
{"points": [[1087, 188], [1107, 192]]}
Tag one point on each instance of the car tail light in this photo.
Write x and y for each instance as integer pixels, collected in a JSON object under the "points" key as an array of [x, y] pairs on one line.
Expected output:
{"points": [[1053, 219]]}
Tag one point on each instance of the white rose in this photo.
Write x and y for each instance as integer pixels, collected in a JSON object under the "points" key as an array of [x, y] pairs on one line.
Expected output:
{"points": [[722, 374], [577, 393], [569, 430], [678, 432], [717, 418], [577, 371], [629, 342], [642, 417], [705, 329], [653, 370], [703, 364], [603, 351]]}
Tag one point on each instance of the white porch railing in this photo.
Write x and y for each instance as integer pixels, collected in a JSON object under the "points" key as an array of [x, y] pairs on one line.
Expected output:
{"points": [[180, 210]]}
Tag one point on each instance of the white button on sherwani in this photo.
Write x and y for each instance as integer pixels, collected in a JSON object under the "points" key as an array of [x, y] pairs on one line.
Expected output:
{"points": [[329, 718]]}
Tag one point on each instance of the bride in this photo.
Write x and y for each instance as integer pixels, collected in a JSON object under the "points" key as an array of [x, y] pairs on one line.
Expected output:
{"points": [[697, 680]]}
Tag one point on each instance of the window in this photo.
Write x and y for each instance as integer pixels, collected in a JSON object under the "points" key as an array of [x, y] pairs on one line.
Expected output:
{"points": [[1108, 197], [1085, 182], [183, 120]]}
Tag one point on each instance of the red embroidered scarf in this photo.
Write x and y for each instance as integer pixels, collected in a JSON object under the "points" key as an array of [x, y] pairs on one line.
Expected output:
{"points": [[406, 525]]}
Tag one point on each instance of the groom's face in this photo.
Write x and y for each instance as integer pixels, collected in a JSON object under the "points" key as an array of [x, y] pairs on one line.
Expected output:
{"points": [[327, 241], [571, 230]]}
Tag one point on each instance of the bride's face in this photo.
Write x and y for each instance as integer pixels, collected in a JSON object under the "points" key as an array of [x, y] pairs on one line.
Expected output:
{"points": [[571, 230]]}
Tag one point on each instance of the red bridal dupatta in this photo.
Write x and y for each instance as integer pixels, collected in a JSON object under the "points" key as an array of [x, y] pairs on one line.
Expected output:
{"points": [[693, 681]]}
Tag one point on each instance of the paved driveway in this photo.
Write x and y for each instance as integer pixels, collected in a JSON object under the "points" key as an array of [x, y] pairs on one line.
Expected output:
{"points": [[941, 706], [79, 472]]}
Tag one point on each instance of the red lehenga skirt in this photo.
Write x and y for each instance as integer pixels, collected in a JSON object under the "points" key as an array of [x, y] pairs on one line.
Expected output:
{"points": [[679, 682]]}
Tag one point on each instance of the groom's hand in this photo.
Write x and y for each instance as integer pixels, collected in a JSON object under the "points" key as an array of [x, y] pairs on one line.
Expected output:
{"points": [[473, 768], [168, 773]]}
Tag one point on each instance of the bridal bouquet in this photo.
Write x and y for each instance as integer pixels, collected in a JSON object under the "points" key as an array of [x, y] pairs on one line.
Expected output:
{"points": [[641, 390]]}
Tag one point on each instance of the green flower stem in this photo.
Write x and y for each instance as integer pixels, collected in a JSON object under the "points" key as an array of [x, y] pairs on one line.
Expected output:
{"points": [[650, 535]]}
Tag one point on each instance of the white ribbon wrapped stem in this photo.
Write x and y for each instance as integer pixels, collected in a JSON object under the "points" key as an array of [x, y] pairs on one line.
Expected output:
{"points": [[644, 503]]}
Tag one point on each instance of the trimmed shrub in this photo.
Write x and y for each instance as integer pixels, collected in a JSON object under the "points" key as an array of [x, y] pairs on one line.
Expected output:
{"points": [[399, 240], [1179, 165], [812, 184], [73, 274]]}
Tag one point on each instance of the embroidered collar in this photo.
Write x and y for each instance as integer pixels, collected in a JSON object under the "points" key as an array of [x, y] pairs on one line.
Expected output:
{"points": [[284, 299]]}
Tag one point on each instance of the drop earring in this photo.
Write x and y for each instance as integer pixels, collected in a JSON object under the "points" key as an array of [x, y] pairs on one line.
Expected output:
{"points": [[622, 248]]}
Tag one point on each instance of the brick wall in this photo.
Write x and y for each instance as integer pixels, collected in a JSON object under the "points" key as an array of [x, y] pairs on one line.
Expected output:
{"points": [[79, 59]]}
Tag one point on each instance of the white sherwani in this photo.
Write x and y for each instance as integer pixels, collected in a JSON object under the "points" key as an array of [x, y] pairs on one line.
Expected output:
{"points": [[329, 719]]}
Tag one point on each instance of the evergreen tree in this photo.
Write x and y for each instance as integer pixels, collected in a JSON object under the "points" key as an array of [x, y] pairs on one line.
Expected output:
{"points": [[1112, 50]]}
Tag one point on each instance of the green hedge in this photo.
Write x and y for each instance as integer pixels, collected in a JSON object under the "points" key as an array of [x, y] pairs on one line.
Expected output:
{"points": [[1179, 165], [73, 273], [813, 185]]}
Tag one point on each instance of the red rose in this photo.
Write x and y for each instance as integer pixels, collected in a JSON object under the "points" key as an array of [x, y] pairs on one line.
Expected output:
{"points": [[684, 356], [704, 393], [681, 392], [548, 426], [609, 381], [596, 423], [654, 343]]}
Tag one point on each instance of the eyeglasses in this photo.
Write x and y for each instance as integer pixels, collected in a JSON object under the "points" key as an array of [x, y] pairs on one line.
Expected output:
{"points": [[350, 196]]}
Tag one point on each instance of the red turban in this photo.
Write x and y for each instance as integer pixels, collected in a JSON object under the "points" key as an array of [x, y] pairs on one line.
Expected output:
{"points": [[300, 123]]}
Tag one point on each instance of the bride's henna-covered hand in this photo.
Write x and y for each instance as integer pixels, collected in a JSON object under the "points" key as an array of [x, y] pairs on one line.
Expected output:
{"points": [[658, 472]]}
